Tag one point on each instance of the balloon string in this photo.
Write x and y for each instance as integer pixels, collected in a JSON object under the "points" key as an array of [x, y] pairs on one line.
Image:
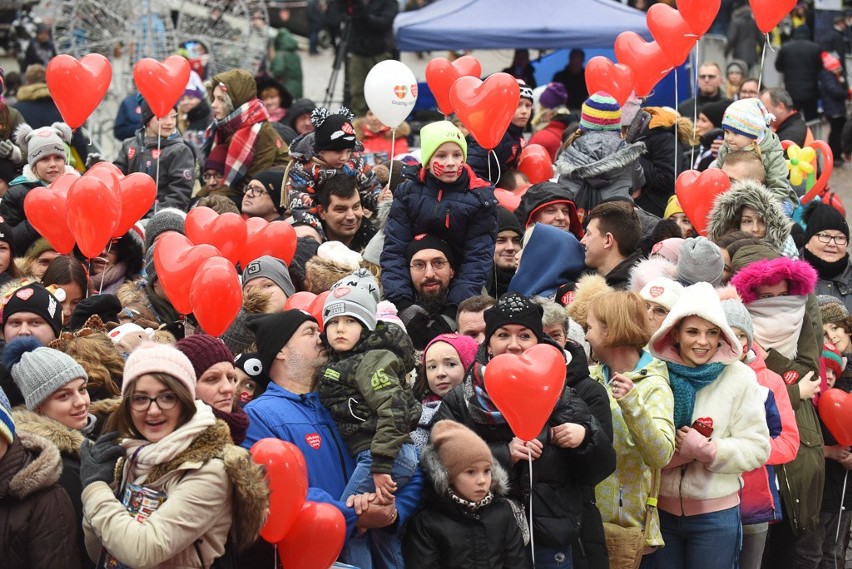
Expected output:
{"points": [[390, 158], [532, 539], [692, 146], [157, 179], [694, 98], [497, 162], [762, 60], [106, 266], [842, 507]]}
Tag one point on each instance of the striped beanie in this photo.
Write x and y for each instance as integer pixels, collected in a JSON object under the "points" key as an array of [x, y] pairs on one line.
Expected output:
{"points": [[7, 427], [832, 359], [747, 117], [526, 90], [600, 112]]}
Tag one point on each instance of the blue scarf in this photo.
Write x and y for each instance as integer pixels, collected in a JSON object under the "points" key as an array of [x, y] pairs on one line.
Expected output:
{"points": [[686, 382]]}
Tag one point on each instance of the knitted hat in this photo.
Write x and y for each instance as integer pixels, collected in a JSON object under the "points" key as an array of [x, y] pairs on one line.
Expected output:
{"points": [[38, 300], [554, 95], [747, 117], [7, 237], [386, 312], [465, 347], [738, 317], [700, 260], [166, 219], [355, 295], [118, 333], [107, 306], [526, 90], [273, 331], [216, 159], [44, 141], [819, 217], [194, 87], [672, 207], [272, 269], [39, 371], [508, 221], [830, 62], [630, 109], [663, 291], [204, 351], [668, 249], [512, 308], [272, 181], [600, 112], [7, 426], [151, 357], [426, 241], [715, 111], [458, 447], [435, 134], [249, 362], [333, 131], [831, 358], [832, 309]]}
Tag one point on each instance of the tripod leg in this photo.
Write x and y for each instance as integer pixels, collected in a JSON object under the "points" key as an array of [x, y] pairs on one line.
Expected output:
{"points": [[339, 60]]}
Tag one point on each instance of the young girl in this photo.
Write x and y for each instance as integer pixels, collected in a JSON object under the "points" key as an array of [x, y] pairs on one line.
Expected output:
{"points": [[445, 361], [466, 520], [69, 274], [837, 330]]}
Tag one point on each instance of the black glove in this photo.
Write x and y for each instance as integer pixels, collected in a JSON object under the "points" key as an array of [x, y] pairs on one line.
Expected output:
{"points": [[92, 159], [97, 460]]}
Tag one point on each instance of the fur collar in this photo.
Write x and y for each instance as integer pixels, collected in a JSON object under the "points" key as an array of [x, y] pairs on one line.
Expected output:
{"points": [[800, 276], [725, 215], [37, 464], [67, 440], [437, 473], [103, 408], [596, 155]]}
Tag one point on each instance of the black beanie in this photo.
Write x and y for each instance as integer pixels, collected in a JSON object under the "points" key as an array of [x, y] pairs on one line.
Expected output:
{"points": [[272, 181], [38, 300], [820, 216], [273, 331], [8, 237], [427, 241], [715, 111], [512, 308], [107, 306], [147, 113], [333, 131], [508, 221]]}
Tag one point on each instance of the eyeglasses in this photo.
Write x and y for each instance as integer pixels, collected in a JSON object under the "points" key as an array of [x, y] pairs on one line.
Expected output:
{"points": [[658, 311], [212, 176], [255, 191], [436, 264], [165, 401], [707, 77], [826, 238]]}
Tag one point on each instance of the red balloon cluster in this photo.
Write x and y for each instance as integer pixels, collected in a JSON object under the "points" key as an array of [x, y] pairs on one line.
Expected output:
{"points": [[441, 74], [309, 535]]}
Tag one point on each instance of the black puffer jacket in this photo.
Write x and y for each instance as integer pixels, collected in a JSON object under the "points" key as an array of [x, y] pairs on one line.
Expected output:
{"points": [[662, 159], [372, 27], [800, 61], [507, 153]]}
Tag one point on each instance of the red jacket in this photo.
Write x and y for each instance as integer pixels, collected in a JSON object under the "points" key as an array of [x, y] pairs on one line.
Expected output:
{"points": [[550, 137]]}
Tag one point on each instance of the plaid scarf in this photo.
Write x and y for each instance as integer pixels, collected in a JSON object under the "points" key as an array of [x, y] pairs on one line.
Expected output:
{"points": [[242, 127], [482, 409]]}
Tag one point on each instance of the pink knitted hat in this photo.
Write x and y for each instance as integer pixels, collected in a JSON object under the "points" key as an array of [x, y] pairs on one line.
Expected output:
{"points": [[151, 357], [465, 346]]}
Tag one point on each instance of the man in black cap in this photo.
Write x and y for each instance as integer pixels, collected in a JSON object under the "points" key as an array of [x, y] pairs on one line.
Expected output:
{"points": [[32, 311], [506, 248]]}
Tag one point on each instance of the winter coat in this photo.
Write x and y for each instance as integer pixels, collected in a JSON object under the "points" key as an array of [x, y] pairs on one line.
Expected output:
{"points": [[800, 61], [539, 196], [560, 473], [178, 168], [597, 167], [446, 535], [839, 286], [372, 27], [286, 64], [687, 108], [377, 142], [366, 392], [36, 514], [550, 137], [128, 119], [644, 441], [775, 164], [662, 160], [464, 214], [796, 129], [505, 157], [743, 37], [208, 486], [619, 276], [833, 91]]}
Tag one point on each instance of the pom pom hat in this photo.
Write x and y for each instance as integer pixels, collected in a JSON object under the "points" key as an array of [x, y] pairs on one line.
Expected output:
{"points": [[600, 112]]}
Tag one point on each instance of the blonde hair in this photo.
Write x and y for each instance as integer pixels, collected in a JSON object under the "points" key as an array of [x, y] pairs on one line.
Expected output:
{"points": [[625, 317], [102, 362]]}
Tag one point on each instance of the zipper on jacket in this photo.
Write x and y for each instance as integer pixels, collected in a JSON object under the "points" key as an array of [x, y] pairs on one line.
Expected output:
{"points": [[621, 504], [792, 506], [447, 219], [680, 490]]}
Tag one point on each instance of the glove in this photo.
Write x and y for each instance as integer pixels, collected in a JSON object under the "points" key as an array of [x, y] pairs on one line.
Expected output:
{"points": [[10, 152], [93, 159], [97, 460]]}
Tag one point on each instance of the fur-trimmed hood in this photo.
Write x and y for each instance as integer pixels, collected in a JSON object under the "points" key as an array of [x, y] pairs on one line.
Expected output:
{"points": [[800, 276], [587, 287], [725, 215], [67, 440], [437, 473], [598, 158], [40, 466]]}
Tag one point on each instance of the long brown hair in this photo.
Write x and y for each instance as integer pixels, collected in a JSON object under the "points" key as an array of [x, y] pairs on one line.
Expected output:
{"points": [[101, 360], [122, 419]]}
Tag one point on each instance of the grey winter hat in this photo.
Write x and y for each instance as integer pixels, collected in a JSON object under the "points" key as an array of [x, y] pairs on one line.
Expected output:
{"points": [[700, 261], [355, 295], [738, 317], [272, 269], [39, 371], [166, 219]]}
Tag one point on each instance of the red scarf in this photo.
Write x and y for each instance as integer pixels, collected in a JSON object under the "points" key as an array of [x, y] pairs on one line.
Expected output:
{"points": [[241, 127]]}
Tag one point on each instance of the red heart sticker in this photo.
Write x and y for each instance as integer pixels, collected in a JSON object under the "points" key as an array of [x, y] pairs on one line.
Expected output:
{"points": [[657, 291], [342, 291], [314, 440], [791, 377], [704, 425], [568, 298], [25, 293]]}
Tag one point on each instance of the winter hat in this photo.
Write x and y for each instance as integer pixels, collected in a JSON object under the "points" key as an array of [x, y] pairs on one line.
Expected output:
{"points": [[44, 141], [508, 221], [118, 333], [273, 331], [668, 249], [107, 306], [600, 112], [272, 181], [151, 357], [216, 159], [832, 309], [465, 347], [249, 362], [355, 295], [672, 207], [386, 312], [339, 254], [738, 317], [166, 219], [819, 217], [333, 131], [715, 111], [512, 308], [204, 351], [38, 300], [435, 134], [554, 95], [832, 358], [663, 291], [39, 371], [427, 241], [6, 236], [271, 268], [747, 117], [700, 260], [830, 62], [7, 426], [194, 87], [526, 90], [800, 276], [458, 447], [630, 109]]}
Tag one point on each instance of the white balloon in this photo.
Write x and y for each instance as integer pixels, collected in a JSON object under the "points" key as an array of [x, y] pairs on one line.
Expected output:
{"points": [[391, 91]]}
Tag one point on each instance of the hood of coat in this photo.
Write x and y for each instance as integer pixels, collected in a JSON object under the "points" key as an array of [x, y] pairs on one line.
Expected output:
{"points": [[598, 158], [437, 473], [240, 84], [34, 92], [800, 276], [33, 464], [728, 207], [67, 440]]}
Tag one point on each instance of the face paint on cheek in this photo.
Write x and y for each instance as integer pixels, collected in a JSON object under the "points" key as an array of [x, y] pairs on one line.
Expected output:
{"points": [[438, 169]]}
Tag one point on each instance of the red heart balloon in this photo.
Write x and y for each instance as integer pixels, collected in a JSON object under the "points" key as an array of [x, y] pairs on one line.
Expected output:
{"points": [[316, 538], [277, 239], [486, 107], [65, 77], [161, 84], [835, 410], [507, 199], [646, 59], [535, 163], [288, 485], [441, 74], [315, 307], [613, 78], [672, 32], [176, 260], [92, 211], [767, 13], [106, 175], [45, 210], [696, 192], [468, 65], [227, 232], [526, 387], [699, 14], [301, 300], [137, 192], [216, 295]]}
